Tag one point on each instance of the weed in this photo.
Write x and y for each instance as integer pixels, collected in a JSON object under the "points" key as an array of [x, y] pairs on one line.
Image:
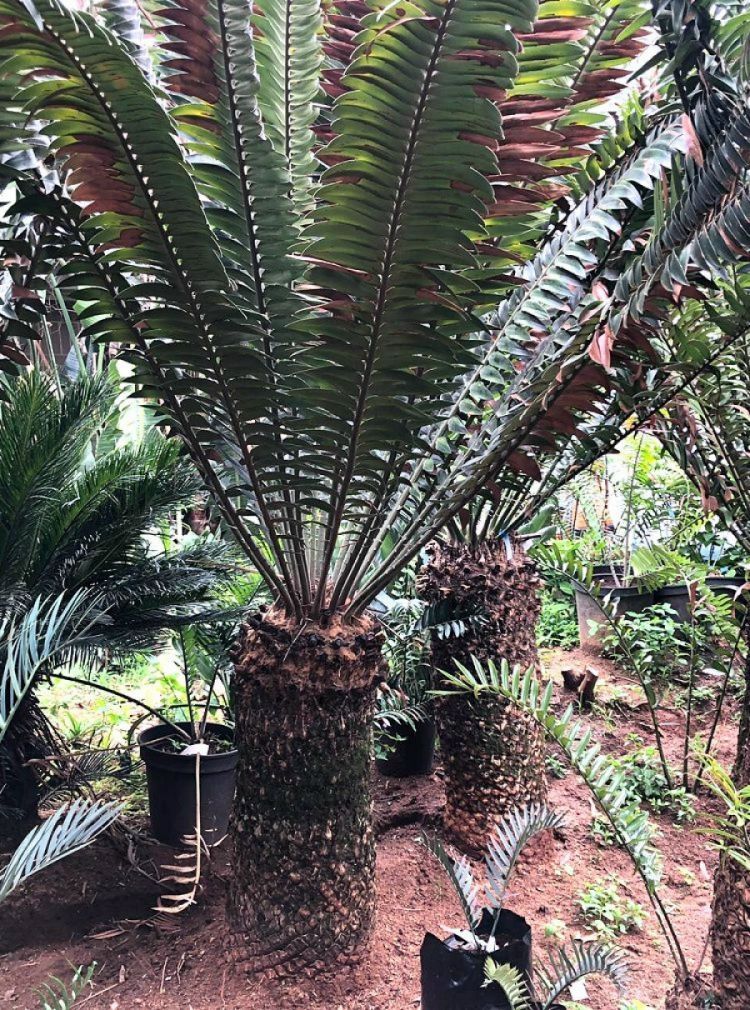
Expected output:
{"points": [[606, 911], [555, 930], [557, 625]]}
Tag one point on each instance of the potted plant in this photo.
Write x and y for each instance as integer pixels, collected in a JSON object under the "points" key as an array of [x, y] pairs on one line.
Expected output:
{"points": [[404, 722], [488, 965], [404, 727], [191, 763]]}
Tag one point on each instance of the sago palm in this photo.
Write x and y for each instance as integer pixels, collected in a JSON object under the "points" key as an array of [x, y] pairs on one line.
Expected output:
{"points": [[315, 336], [81, 512]]}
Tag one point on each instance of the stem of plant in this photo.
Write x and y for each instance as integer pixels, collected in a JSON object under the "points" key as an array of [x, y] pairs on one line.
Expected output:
{"points": [[125, 697]]}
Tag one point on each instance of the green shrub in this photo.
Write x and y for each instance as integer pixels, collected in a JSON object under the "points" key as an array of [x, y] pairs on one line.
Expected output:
{"points": [[557, 627]]}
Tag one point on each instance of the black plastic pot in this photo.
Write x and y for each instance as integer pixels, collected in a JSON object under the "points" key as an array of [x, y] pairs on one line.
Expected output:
{"points": [[412, 754], [630, 600], [453, 978], [608, 569], [724, 585], [171, 786], [678, 597]]}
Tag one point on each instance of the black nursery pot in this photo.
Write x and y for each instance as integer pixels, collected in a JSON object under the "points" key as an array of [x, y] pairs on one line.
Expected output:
{"points": [[453, 978], [678, 597], [412, 754], [171, 786], [630, 600]]}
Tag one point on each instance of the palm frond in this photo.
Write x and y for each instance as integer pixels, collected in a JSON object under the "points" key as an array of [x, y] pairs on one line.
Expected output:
{"points": [[507, 842], [64, 832]]}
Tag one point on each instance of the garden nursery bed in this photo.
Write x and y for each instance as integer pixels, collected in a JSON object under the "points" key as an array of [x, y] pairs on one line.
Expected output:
{"points": [[98, 905]]}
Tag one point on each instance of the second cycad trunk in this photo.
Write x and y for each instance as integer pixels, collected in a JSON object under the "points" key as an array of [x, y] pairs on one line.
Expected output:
{"points": [[492, 753], [303, 888]]}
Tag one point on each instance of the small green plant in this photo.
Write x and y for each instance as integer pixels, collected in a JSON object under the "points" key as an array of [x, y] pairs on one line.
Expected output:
{"points": [[555, 929], [602, 831], [606, 911], [557, 626], [57, 995], [633, 1004], [646, 782]]}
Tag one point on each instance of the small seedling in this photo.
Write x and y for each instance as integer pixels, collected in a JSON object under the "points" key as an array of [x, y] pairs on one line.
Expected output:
{"points": [[555, 766], [606, 911], [555, 929]]}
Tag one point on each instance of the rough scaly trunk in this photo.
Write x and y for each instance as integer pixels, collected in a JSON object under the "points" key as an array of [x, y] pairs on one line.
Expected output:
{"points": [[730, 925], [493, 754], [302, 890]]}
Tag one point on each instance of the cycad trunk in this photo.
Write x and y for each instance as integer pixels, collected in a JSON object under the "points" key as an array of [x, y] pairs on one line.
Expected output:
{"points": [[730, 926], [493, 754], [302, 891]]}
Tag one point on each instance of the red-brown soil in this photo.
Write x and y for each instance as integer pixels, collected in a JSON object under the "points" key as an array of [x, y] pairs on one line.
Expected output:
{"points": [[78, 911]]}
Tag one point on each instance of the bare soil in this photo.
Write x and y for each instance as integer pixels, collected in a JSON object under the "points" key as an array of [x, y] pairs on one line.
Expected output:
{"points": [[92, 907]]}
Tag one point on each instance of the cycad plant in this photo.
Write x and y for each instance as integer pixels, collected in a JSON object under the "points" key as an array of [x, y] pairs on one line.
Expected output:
{"points": [[493, 753], [708, 433], [80, 512], [483, 908], [313, 321]]}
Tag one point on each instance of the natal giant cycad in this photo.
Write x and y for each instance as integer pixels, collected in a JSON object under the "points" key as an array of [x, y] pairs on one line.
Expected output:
{"points": [[316, 342]]}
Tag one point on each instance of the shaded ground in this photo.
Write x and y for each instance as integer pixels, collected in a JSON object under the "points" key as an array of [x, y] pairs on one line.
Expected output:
{"points": [[76, 912]]}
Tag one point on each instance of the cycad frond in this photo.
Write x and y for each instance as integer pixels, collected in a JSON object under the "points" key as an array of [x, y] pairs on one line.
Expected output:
{"points": [[462, 879], [511, 981], [585, 959], [64, 832], [55, 629], [59, 995], [507, 842]]}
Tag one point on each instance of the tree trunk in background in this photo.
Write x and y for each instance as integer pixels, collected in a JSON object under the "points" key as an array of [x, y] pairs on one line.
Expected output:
{"points": [[730, 925], [493, 754], [30, 741], [303, 884]]}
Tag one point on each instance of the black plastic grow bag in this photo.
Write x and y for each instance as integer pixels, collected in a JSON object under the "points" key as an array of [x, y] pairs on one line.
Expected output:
{"points": [[453, 978], [413, 752]]}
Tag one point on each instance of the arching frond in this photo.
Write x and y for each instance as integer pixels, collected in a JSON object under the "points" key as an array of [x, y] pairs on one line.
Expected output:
{"points": [[64, 832], [462, 879], [586, 958], [51, 630], [507, 842]]}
